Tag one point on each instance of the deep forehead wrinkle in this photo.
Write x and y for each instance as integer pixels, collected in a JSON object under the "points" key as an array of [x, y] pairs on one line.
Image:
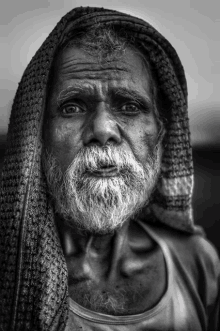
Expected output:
{"points": [[92, 71], [78, 65]]}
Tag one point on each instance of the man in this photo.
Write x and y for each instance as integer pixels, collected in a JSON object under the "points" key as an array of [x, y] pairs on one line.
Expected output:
{"points": [[96, 219]]}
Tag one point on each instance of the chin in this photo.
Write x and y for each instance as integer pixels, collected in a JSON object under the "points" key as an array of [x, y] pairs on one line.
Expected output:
{"points": [[101, 220], [97, 226]]}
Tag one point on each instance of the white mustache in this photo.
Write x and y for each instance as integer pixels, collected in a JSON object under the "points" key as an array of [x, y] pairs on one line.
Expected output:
{"points": [[94, 158]]}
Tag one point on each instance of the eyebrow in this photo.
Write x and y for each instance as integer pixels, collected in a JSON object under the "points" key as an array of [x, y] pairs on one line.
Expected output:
{"points": [[72, 91], [88, 89], [133, 94]]}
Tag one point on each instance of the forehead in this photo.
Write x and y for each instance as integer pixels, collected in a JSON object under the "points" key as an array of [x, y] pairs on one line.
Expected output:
{"points": [[73, 64], [75, 68]]}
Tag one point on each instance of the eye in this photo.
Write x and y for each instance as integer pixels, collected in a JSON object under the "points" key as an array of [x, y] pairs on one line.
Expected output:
{"points": [[71, 108], [131, 108]]}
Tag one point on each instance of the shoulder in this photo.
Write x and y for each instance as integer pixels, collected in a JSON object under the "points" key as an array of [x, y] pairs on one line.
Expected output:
{"points": [[197, 257], [194, 248]]}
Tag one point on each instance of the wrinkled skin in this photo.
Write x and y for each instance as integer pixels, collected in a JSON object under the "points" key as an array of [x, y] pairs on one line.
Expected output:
{"points": [[100, 103], [105, 103]]}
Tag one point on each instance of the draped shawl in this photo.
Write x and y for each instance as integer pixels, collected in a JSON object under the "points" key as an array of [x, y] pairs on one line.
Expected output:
{"points": [[33, 272]]}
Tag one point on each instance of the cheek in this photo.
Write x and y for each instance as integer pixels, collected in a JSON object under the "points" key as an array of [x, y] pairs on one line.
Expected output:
{"points": [[143, 138], [63, 140], [149, 141]]}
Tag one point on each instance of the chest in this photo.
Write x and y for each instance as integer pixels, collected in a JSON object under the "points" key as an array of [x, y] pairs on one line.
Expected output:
{"points": [[117, 283]]}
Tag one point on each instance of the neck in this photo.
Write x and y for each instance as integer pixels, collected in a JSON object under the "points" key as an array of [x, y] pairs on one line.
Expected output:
{"points": [[74, 240], [116, 273]]}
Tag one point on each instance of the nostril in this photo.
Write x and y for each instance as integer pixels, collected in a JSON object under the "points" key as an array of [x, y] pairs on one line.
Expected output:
{"points": [[101, 139]]}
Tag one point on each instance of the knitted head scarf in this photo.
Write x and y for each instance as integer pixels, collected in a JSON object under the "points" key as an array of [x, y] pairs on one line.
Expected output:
{"points": [[33, 272]]}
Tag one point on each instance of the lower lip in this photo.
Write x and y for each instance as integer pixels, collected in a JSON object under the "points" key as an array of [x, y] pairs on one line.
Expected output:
{"points": [[106, 172]]}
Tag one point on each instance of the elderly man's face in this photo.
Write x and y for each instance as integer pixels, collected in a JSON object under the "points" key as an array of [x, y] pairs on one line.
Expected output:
{"points": [[97, 104]]}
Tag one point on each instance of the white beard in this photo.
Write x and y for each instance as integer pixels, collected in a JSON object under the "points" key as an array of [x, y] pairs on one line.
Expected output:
{"points": [[101, 204]]}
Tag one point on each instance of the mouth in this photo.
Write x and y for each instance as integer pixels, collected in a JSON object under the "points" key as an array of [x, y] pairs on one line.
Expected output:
{"points": [[105, 171]]}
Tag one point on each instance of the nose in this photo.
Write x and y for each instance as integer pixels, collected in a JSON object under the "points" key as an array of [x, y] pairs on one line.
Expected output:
{"points": [[102, 129]]}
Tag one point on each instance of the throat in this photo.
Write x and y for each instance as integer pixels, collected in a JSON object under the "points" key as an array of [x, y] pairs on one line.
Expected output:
{"points": [[122, 273], [125, 277]]}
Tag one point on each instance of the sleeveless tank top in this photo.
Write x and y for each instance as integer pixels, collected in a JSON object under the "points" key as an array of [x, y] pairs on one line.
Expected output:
{"points": [[176, 311]]}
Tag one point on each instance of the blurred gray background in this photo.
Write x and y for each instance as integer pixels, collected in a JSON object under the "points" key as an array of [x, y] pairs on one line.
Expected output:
{"points": [[192, 27]]}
